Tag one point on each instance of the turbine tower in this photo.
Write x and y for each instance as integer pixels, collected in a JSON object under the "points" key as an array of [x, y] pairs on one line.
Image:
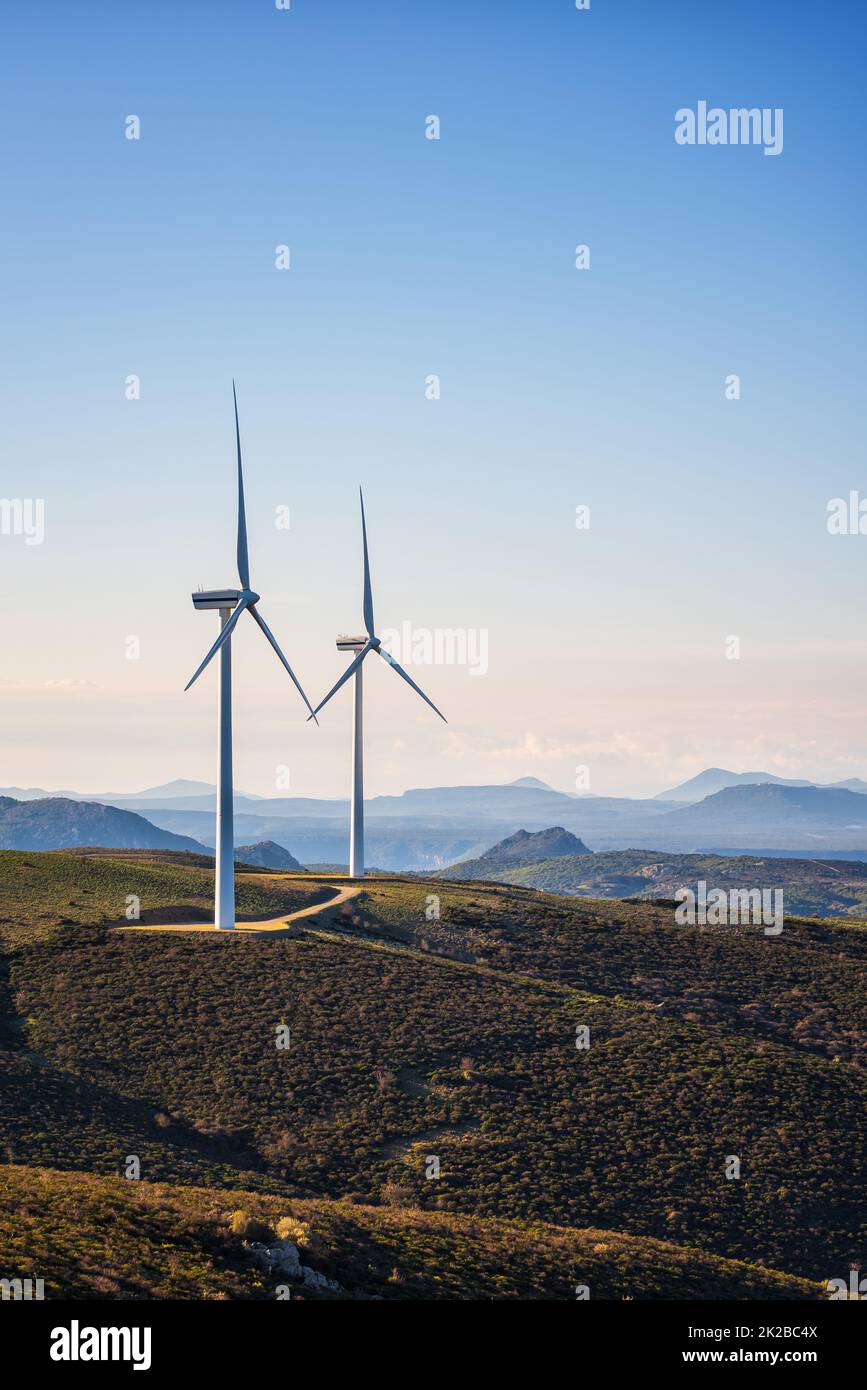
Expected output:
{"points": [[363, 646], [231, 603]]}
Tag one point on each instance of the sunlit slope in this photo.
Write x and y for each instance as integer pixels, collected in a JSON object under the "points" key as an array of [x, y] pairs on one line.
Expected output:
{"points": [[166, 1049], [112, 1238], [810, 887], [68, 887]]}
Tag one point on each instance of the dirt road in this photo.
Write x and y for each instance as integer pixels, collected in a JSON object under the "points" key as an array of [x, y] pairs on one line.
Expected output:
{"points": [[268, 924]]}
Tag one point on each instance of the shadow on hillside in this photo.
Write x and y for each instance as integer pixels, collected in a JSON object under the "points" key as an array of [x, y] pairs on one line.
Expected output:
{"points": [[58, 1119]]}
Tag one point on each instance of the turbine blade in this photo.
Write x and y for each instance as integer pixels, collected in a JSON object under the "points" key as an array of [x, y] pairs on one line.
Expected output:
{"points": [[368, 596], [223, 637], [273, 640], [243, 558], [401, 672], [350, 670]]}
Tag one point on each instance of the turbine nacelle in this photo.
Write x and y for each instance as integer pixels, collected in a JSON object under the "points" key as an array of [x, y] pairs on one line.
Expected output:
{"points": [[206, 599]]}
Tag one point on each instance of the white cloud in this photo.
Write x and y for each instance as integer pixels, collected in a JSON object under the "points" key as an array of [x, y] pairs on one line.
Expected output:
{"points": [[69, 683]]}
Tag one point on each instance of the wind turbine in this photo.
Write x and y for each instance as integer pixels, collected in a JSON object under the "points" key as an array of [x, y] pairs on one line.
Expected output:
{"points": [[225, 601], [363, 646]]}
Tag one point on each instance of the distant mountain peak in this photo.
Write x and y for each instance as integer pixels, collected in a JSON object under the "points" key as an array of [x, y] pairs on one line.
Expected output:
{"points": [[524, 847], [179, 786], [532, 782], [266, 854], [549, 843], [717, 779], [763, 812]]}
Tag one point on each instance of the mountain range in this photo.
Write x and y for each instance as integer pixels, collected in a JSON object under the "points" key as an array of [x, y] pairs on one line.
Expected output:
{"points": [[716, 779], [749, 808], [167, 791], [427, 828]]}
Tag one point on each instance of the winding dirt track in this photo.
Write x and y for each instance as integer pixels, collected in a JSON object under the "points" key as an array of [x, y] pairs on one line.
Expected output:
{"points": [[268, 924]]}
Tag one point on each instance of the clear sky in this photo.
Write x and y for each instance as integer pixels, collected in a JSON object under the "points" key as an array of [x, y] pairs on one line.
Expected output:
{"points": [[559, 387]]}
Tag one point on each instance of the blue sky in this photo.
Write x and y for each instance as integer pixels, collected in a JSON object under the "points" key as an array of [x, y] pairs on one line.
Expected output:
{"points": [[456, 257]]}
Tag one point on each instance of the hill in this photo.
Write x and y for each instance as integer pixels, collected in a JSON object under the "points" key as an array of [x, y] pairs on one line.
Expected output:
{"points": [[715, 779], [41, 893], [524, 847], [113, 1238], [58, 823], [440, 1018], [527, 802], [750, 810], [267, 854], [811, 887]]}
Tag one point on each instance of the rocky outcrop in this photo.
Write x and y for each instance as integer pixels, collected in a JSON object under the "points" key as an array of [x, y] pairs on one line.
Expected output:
{"points": [[283, 1260]]}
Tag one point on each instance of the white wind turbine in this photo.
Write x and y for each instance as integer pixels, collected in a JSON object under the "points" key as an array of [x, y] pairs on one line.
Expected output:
{"points": [[363, 646], [225, 600]]}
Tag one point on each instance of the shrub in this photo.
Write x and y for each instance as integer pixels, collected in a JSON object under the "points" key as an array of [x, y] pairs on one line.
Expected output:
{"points": [[393, 1195], [288, 1228], [248, 1228]]}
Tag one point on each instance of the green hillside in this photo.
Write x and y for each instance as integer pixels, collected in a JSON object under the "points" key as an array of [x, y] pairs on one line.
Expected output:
{"points": [[92, 887], [105, 1237], [811, 887], [454, 1036]]}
